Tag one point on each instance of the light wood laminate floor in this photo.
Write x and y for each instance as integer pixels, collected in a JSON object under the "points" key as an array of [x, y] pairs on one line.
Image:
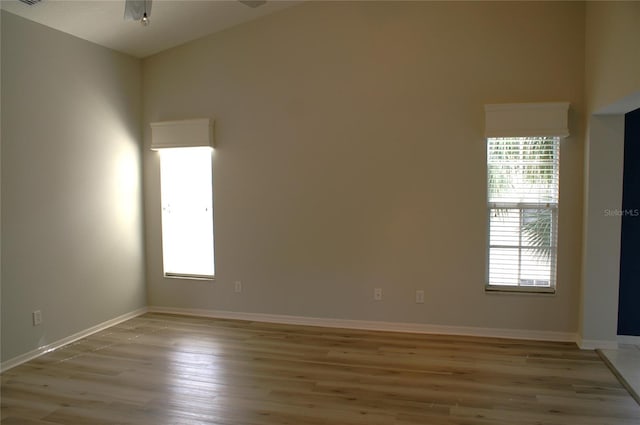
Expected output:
{"points": [[162, 369]]}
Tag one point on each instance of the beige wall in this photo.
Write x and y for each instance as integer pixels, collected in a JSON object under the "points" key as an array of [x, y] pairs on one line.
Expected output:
{"points": [[601, 265], [71, 195], [612, 68], [612, 55], [337, 126], [351, 156], [0, 184]]}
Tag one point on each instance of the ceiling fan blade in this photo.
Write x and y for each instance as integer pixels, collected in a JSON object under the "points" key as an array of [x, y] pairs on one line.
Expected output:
{"points": [[253, 3], [136, 9]]}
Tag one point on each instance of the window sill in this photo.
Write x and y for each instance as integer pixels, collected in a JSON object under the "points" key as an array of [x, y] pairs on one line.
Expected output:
{"points": [[494, 289], [185, 276]]}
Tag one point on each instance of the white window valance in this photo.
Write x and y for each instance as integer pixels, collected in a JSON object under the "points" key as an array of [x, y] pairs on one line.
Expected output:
{"points": [[526, 119], [182, 134]]}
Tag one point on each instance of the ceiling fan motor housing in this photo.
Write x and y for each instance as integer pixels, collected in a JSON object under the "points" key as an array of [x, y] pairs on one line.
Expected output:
{"points": [[136, 10]]}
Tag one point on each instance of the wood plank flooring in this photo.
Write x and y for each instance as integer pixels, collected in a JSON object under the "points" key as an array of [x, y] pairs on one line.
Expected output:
{"points": [[162, 369]]}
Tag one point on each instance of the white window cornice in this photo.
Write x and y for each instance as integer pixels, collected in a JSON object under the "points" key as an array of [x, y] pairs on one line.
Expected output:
{"points": [[527, 119], [182, 134]]}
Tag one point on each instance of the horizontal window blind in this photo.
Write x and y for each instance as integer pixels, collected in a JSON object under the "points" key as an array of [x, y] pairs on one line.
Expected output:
{"points": [[523, 211]]}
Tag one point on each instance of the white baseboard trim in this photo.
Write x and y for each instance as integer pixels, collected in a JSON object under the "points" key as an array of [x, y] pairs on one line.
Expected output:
{"points": [[628, 339], [11, 363], [374, 325], [596, 344]]}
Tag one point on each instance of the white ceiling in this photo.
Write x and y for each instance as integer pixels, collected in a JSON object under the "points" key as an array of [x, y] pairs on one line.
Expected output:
{"points": [[172, 22]]}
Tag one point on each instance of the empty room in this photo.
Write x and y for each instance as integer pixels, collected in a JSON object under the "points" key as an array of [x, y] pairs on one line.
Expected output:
{"points": [[248, 212]]}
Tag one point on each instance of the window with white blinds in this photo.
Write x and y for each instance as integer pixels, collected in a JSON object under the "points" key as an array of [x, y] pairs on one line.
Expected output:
{"points": [[187, 212], [523, 212], [186, 190]]}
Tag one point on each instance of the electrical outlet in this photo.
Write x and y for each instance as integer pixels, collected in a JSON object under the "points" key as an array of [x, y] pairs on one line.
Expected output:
{"points": [[420, 296], [237, 286], [37, 318], [377, 294]]}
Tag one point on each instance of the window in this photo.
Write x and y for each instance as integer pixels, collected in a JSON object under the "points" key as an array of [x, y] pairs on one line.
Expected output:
{"points": [[187, 212], [186, 189], [522, 186]]}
